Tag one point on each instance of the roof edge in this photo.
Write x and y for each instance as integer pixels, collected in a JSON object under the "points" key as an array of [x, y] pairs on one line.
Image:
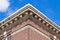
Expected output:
{"points": [[16, 12], [35, 9]]}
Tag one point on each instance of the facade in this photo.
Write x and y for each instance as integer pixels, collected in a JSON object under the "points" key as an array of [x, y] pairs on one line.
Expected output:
{"points": [[28, 24]]}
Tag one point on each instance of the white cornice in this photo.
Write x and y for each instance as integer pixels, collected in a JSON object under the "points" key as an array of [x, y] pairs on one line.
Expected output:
{"points": [[41, 15], [32, 7]]}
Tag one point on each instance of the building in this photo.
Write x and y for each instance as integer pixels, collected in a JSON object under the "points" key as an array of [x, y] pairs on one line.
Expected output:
{"points": [[28, 24]]}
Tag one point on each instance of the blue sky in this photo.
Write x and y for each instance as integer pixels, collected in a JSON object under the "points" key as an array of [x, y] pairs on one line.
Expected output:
{"points": [[51, 8]]}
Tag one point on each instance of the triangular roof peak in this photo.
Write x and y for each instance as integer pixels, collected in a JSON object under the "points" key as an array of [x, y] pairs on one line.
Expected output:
{"points": [[34, 11], [29, 7]]}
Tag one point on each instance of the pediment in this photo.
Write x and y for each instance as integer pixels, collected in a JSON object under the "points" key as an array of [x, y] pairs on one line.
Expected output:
{"points": [[28, 32], [31, 13]]}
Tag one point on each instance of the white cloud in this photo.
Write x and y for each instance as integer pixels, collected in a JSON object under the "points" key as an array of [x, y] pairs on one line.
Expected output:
{"points": [[4, 4]]}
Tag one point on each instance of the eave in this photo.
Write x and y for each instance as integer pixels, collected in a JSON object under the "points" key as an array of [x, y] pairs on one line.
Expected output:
{"points": [[29, 12]]}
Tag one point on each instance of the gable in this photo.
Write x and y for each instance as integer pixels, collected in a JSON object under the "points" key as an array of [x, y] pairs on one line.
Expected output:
{"points": [[31, 13], [32, 33]]}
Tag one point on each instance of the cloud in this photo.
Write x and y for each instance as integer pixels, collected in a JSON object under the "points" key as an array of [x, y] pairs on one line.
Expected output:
{"points": [[4, 4]]}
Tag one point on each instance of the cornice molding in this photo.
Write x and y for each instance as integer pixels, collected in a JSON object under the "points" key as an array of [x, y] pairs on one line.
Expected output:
{"points": [[29, 11]]}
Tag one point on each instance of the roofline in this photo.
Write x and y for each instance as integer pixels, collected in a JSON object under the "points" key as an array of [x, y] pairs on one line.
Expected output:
{"points": [[15, 12], [35, 9]]}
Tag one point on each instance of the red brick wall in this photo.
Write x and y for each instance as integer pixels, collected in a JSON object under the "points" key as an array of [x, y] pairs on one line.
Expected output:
{"points": [[28, 34]]}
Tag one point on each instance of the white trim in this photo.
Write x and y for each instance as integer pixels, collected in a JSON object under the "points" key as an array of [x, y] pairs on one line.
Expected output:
{"points": [[43, 14], [28, 26], [5, 34], [44, 19], [15, 12], [35, 9]]}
